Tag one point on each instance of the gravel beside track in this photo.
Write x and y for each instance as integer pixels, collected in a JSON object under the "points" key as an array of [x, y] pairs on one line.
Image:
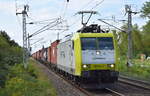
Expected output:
{"points": [[62, 87]]}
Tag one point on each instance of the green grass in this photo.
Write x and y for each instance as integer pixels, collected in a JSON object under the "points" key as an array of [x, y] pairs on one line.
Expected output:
{"points": [[29, 82], [139, 69]]}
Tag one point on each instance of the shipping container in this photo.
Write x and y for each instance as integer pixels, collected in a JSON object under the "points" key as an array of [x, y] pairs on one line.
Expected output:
{"points": [[44, 54], [38, 55], [48, 54], [54, 52]]}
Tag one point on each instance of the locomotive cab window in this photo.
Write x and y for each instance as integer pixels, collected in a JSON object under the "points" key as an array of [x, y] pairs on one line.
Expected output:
{"points": [[105, 43], [88, 43], [100, 43]]}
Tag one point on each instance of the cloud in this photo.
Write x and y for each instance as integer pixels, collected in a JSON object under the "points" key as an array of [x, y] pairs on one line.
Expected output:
{"points": [[7, 7]]}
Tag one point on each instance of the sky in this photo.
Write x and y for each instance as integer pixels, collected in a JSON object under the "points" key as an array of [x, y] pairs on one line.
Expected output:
{"points": [[41, 10]]}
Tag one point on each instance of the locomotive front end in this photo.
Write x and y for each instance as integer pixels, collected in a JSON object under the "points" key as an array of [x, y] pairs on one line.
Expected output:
{"points": [[98, 57]]}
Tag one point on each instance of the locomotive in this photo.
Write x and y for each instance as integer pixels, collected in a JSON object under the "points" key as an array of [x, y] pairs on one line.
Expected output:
{"points": [[88, 56]]}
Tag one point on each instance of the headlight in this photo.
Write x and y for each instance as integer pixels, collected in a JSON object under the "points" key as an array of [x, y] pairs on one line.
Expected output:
{"points": [[97, 52], [84, 66], [111, 65]]}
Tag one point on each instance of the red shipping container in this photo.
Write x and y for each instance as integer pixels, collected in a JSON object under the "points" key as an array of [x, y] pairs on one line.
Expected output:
{"points": [[38, 55], [33, 55], [48, 54], [52, 52], [42, 53]]}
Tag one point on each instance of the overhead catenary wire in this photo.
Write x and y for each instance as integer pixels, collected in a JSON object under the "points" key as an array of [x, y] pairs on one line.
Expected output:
{"points": [[37, 41], [87, 4], [81, 8], [51, 23], [43, 21], [65, 10], [64, 13], [43, 28], [112, 25], [47, 27], [84, 7], [97, 4], [90, 9]]}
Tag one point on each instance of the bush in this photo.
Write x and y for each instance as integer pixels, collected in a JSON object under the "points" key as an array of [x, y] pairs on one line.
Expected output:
{"points": [[23, 82], [139, 69], [9, 56]]}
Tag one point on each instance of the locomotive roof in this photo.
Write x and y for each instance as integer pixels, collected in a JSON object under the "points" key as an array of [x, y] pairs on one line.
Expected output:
{"points": [[78, 35]]}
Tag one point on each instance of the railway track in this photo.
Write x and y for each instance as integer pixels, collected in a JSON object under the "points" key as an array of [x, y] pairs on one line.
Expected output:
{"points": [[108, 91], [87, 92], [74, 84], [133, 82], [120, 90], [114, 93]]}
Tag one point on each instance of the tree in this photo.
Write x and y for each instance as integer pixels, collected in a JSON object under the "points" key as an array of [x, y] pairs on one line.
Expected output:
{"points": [[10, 54], [11, 42], [146, 28], [146, 10], [146, 38], [4, 34], [136, 38]]}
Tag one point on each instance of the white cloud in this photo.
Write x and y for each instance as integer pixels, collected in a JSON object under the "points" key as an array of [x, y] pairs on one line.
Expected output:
{"points": [[7, 7]]}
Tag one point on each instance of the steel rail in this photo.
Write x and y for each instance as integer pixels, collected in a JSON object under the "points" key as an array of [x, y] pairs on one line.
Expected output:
{"points": [[114, 92], [70, 82], [133, 82]]}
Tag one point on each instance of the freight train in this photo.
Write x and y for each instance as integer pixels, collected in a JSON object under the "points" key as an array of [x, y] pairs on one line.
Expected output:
{"points": [[88, 57]]}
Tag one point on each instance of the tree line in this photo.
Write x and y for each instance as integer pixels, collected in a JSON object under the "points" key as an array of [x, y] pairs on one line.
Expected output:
{"points": [[10, 54]]}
